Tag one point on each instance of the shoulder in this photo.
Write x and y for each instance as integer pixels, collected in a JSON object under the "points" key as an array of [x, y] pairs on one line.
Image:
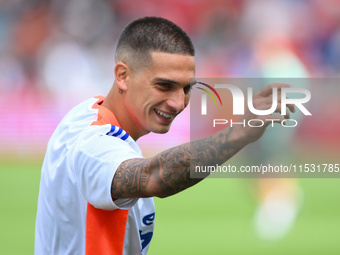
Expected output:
{"points": [[105, 142]]}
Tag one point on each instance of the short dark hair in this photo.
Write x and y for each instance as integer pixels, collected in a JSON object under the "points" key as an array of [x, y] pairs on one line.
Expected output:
{"points": [[148, 34]]}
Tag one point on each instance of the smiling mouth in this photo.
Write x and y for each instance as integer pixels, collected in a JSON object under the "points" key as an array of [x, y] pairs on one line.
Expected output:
{"points": [[164, 115]]}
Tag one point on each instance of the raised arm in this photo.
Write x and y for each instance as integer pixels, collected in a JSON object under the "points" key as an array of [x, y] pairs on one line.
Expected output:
{"points": [[168, 172]]}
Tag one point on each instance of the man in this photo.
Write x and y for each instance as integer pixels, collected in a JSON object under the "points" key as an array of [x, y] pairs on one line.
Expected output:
{"points": [[96, 188]]}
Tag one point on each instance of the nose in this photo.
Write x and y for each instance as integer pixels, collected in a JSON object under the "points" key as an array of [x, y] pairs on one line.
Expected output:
{"points": [[177, 101]]}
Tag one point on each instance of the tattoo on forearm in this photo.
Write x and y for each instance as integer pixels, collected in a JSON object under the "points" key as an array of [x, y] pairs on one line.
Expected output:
{"points": [[171, 168]]}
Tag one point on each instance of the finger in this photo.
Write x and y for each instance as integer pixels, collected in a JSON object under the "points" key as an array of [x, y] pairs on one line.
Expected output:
{"points": [[291, 107], [279, 111], [268, 90], [266, 104], [287, 115]]}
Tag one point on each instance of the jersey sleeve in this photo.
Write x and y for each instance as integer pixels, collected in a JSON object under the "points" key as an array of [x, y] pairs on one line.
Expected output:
{"points": [[96, 156]]}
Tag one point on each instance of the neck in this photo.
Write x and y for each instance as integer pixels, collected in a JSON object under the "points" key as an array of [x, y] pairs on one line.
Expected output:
{"points": [[114, 101]]}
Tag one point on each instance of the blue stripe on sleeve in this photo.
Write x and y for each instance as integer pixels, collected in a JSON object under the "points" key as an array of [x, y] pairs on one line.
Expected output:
{"points": [[118, 132], [124, 137]]}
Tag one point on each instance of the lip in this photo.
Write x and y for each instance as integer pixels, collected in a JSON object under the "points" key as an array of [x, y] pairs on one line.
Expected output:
{"points": [[164, 116]]}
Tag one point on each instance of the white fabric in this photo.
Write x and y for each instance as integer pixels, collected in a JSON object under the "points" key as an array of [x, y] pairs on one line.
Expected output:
{"points": [[78, 168]]}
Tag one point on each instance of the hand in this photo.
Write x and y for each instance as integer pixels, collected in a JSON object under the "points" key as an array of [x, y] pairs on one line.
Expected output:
{"points": [[262, 100]]}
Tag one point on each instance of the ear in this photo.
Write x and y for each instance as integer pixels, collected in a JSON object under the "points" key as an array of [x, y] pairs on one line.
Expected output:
{"points": [[121, 74]]}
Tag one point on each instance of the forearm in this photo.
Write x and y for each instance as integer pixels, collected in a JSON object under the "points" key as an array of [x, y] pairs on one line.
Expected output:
{"points": [[175, 164], [168, 172]]}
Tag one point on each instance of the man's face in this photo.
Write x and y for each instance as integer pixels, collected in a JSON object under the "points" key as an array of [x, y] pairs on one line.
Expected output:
{"points": [[158, 93]]}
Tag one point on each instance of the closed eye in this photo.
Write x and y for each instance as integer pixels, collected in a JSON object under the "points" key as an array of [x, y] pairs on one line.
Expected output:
{"points": [[164, 85]]}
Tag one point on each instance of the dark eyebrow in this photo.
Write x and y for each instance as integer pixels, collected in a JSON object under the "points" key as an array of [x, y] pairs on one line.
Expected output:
{"points": [[164, 80]]}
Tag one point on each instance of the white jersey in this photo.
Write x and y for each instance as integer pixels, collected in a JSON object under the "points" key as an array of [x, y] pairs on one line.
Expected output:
{"points": [[76, 214]]}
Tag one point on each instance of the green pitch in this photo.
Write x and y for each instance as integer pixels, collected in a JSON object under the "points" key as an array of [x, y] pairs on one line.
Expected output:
{"points": [[214, 217]]}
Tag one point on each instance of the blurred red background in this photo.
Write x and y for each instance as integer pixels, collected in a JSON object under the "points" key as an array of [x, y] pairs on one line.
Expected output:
{"points": [[56, 53]]}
